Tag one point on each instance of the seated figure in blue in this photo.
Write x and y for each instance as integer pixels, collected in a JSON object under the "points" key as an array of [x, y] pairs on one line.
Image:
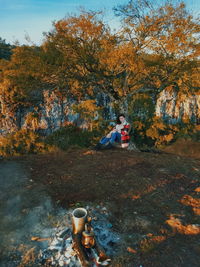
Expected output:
{"points": [[119, 134]]}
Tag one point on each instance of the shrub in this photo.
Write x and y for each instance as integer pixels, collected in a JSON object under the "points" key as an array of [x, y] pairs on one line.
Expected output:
{"points": [[71, 136], [21, 142], [188, 131]]}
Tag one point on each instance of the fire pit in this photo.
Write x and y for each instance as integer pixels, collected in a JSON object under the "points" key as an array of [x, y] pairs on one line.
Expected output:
{"points": [[88, 240]]}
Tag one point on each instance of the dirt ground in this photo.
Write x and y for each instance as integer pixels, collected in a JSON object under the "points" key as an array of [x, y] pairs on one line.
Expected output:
{"points": [[153, 199]]}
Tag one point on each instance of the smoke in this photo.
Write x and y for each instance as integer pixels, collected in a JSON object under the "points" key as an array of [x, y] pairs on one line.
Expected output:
{"points": [[25, 210]]}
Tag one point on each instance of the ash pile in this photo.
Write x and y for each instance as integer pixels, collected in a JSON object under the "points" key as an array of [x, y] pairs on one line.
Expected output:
{"points": [[88, 240]]}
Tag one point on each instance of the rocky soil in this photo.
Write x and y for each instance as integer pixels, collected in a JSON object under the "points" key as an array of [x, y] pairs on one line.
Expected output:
{"points": [[151, 200]]}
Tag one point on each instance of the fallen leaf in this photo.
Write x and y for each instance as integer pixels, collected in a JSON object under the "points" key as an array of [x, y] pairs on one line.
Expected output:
{"points": [[131, 250]]}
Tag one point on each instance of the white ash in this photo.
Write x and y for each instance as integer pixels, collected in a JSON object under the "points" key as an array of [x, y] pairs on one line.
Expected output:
{"points": [[105, 236], [60, 252]]}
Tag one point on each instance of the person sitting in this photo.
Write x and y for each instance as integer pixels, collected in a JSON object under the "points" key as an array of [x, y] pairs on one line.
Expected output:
{"points": [[120, 134]]}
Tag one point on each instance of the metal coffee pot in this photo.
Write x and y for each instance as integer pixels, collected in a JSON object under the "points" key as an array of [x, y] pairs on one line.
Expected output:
{"points": [[88, 240]]}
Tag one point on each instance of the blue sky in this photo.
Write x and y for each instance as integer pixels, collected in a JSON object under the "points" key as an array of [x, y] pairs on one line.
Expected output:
{"points": [[33, 17]]}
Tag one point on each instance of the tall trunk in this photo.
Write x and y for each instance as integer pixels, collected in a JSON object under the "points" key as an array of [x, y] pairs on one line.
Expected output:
{"points": [[124, 100], [62, 111], [19, 117]]}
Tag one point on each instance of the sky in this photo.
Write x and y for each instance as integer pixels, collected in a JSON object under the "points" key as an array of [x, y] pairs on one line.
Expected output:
{"points": [[21, 18]]}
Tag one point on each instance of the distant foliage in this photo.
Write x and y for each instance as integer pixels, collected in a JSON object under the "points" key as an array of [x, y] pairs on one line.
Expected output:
{"points": [[5, 49]]}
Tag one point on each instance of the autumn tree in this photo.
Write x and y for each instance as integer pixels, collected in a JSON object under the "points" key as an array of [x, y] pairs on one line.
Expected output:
{"points": [[81, 45], [83, 41], [163, 45], [20, 79], [165, 39]]}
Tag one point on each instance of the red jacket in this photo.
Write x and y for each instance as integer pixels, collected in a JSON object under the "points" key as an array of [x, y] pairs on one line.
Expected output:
{"points": [[125, 137]]}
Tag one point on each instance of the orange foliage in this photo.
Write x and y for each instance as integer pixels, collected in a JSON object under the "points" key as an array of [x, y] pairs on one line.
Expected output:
{"points": [[190, 201], [131, 250], [177, 226]]}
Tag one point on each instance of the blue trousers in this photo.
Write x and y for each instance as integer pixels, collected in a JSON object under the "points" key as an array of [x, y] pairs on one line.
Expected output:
{"points": [[115, 137]]}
